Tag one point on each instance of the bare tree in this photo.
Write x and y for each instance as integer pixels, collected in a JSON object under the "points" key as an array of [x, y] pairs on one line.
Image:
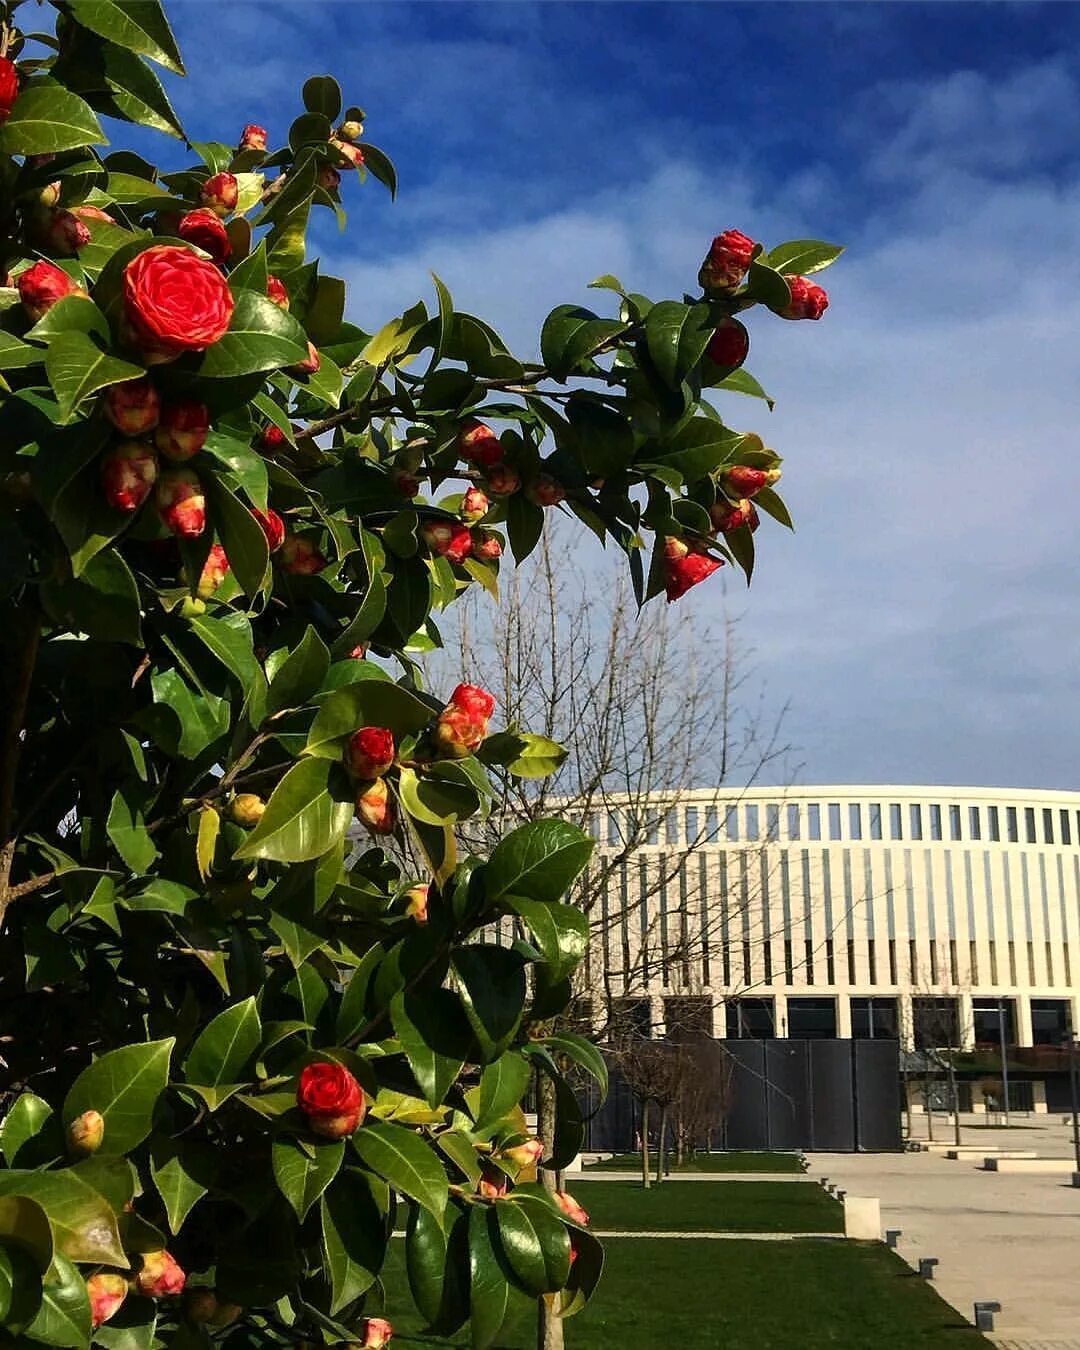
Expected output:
{"points": [[652, 1071]]}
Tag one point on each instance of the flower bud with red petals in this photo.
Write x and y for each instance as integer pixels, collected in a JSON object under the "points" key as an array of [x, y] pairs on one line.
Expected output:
{"points": [[329, 178], [377, 1333], [301, 556], [475, 505], [204, 229], [133, 407], [181, 503], [9, 87], [416, 903], [477, 443], [272, 526], [159, 1276], [727, 516], [448, 539], [406, 483], [183, 429], [494, 1182], [85, 1133], [128, 472], [215, 570], [277, 291], [331, 1099], [351, 130], [728, 261], [487, 545], [463, 723], [502, 480], [375, 808], [62, 233], [524, 1155], [685, 568], [546, 491], [729, 345], [808, 301], [85, 212], [220, 193], [253, 137], [42, 285], [309, 366], [571, 1208], [352, 157], [369, 752], [743, 480], [106, 1291], [358, 653], [272, 438]]}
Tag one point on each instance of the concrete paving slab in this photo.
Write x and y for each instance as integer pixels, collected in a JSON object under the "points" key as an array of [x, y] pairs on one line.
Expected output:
{"points": [[1031, 1166]]}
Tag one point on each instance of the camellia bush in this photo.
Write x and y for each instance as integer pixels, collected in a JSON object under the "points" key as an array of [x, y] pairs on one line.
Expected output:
{"points": [[238, 1049]]}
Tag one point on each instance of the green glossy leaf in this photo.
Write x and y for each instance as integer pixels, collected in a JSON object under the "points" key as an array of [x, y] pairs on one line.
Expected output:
{"points": [[246, 466], [182, 1172], [426, 1025], [742, 382], [23, 1122], [47, 118], [322, 94], [14, 354], [82, 1221], [20, 1287], [536, 1245], [524, 525], [772, 504], [77, 367], [370, 703], [802, 256], [381, 167], [302, 820], [138, 25], [403, 1159], [492, 986], [490, 1289], [354, 1233], [261, 336], [63, 1316], [241, 535], [765, 284], [300, 675], [583, 1052], [127, 830], [124, 1086], [136, 92], [217, 1060], [436, 801], [537, 861], [72, 314], [603, 441], [24, 1227], [302, 1178], [560, 931], [571, 333], [189, 719], [502, 1086], [677, 335], [696, 449], [229, 639]]}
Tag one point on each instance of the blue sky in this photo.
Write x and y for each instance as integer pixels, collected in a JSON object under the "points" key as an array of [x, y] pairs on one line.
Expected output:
{"points": [[922, 622]]}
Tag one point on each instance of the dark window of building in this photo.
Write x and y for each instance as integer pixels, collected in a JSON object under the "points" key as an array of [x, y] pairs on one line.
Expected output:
{"points": [[813, 824], [935, 1022], [916, 821], [1029, 824], [995, 824], [687, 1017], [812, 1019], [1011, 827], [772, 822], [1049, 1021], [935, 821], [1066, 831], [854, 820], [580, 1016], [834, 820], [1048, 826], [631, 1017], [990, 1018], [875, 820], [793, 822], [896, 821], [753, 823], [974, 824], [751, 1018], [954, 822], [873, 1019]]}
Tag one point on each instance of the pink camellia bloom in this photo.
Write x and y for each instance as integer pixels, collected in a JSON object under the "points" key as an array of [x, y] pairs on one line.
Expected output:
{"points": [[377, 1333], [502, 480], [729, 345], [301, 556], [376, 809], [128, 472], [106, 1291], [369, 752], [272, 526], [728, 261], [204, 229], [220, 193], [311, 364], [331, 1099], [416, 903], [132, 407], [524, 1155], [85, 1134], [571, 1208], [448, 539], [215, 570], [183, 429], [685, 568], [478, 444], [175, 301], [352, 157], [42, 285], [808, 301], [487, 545], [63, 233], [493, 1182], [727, 516], [181, 503], [475, 505], [463, 723], [9, 87], [546, 491], [743, 480], [276, 291], [160, 1275], [253, 137]]}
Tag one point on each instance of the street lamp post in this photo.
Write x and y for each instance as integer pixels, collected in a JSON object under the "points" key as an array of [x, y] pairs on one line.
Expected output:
{"points": [[1004, 1058]]}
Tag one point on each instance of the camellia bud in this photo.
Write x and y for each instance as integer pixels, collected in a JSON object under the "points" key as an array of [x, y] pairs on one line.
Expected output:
{"points": [[181, 503], [85, 212], [358, 652], [301, 556], [183, 429], [493, 1182], [808, 301], [85, 1133], [684, 568], [369, 752], [463, 723], [448, 539], [133, 407], [204, 229], [377, 1333], [375, 808], [729, 345], [416, 903], [276, 291], [42, 285], [272, 526], [159, 1276], [524, 1155], [475, 505], [272, 438], [331, 1099], [63, 233], [220, 193], [311, 365], [728, 261], [128, 472], [406, 483], [546, 491], [253, 137], [49, 195], [106, 1292], [727, 516], [9, 87], [743, 480], [571, 1208], [487, 545], [246, 809], [329, 178], [502, 480], [215, 570], [351, 130], [352, 157], [478, 444]]}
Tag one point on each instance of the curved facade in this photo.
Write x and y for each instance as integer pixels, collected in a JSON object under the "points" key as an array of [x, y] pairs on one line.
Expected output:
{"points": [[947, 916]]}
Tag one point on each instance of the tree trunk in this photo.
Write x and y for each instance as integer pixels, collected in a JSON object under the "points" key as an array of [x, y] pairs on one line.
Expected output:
{"points": [[955, 1101], [660, 1146], [645, 1179], [549, 1328], [928, 1100]]}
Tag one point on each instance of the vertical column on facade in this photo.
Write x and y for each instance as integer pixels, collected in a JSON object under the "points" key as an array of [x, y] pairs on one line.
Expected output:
{"points": [[1023, 1019], [656, 1015], [843, 1015], [967, 1022], [907, 1021], [780, 1015]]}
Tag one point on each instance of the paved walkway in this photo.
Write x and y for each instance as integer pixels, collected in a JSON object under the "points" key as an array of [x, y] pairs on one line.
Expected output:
{"points": [[1009, 1237], [594, 1174], [724, 1237]]}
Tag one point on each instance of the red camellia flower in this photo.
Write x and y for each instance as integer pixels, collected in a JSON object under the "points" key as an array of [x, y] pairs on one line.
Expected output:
{"points": [[684, 568], [478, 443], [727, 262], [128, 473], [175, 301], [42, 285], [502, 480], [487, 545], [369, 752], [571, 1208], [463, 723], [331, 1099], [301, 556], [546, 491], [106, 1291], [181, 503], [63, 233], [727, 516], [743, 480], [133, 407], [275, 290], [183, 429], [272, 526], [448, 539], [375, 808], [215, 570], [160, 1275], [808, 301], [220, 193], [475, 505], [729, 345], [376, 1333], [9, 87], [493, 1182], [253, 137], [416, 903], [205, 230]]}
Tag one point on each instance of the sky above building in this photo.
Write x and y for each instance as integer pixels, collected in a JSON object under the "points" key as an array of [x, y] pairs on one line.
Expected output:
{"points": [[921, 623]]}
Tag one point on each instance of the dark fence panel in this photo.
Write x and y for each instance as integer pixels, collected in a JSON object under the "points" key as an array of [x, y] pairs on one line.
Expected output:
{"points": [[747, 1118], [832, 1106], [787, 1093], [877, 1096]]}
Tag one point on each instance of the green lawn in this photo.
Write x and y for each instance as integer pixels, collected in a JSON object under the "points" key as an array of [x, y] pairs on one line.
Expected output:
{"points": [[700, 1206], [706, 1162], [709, 1295]]}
